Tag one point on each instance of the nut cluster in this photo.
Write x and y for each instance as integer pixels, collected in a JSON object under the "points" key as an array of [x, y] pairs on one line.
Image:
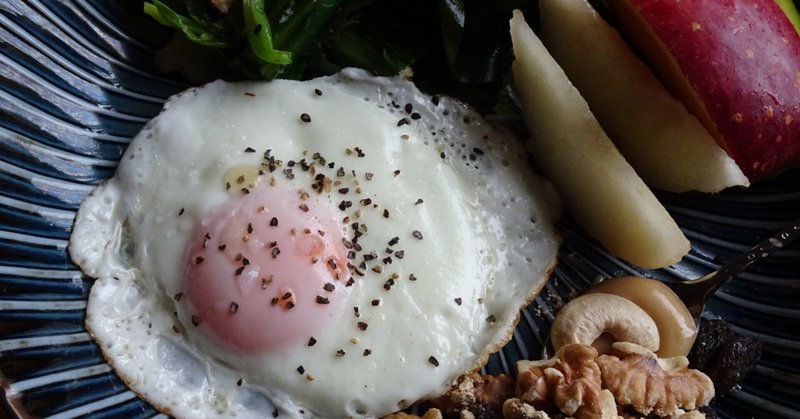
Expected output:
{"points": [[579, 383]]}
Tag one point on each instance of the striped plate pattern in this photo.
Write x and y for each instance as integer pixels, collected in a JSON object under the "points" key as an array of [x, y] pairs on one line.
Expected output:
{"points": [[77, 82]]}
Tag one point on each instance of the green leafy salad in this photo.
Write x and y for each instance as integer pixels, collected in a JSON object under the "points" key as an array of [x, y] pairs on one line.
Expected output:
{"points": [[456, 47]]}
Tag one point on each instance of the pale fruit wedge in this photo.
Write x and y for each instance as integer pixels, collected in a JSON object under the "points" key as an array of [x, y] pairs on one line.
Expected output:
{"points": [[599, 188], [669, 148]]}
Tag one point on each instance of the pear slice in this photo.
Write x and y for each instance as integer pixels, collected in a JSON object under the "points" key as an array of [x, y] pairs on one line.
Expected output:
{"points": [[669, 148], [599, 188]]}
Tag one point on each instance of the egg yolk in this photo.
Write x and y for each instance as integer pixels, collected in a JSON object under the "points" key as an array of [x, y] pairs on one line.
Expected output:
{"points": [[266, 270]]}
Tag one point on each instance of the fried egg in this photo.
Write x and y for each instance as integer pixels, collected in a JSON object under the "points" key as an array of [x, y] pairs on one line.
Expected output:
{"points": [[339, 247]]}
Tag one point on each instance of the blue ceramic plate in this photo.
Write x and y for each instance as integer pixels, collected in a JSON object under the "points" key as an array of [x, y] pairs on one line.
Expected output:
{"points": [[77, 82]]}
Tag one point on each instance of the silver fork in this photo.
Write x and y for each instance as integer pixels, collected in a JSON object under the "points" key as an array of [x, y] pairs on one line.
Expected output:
{"points": [[694, 293]]}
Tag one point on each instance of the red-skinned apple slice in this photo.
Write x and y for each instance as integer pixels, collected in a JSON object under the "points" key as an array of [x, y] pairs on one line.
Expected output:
{"points": [[736, 66], [667, 146], [599, 188]]}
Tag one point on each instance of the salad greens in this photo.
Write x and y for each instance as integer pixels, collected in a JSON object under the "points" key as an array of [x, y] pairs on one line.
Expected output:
{"points": [[456, 47]]}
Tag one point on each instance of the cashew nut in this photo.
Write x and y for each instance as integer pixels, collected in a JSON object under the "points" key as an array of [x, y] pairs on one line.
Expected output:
{"points": [[587, 317], [676, 327]]}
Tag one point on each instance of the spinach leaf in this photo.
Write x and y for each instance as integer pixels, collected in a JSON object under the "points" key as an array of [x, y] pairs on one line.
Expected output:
{"points": [[456, 47], [196, 31], [259, 34]]}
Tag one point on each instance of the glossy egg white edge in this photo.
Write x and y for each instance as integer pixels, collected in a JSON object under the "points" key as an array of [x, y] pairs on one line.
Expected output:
{"points": [[510, 214]]}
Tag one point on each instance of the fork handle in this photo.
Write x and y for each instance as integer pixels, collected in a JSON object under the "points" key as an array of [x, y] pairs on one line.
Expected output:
{"points": [[763, 249]]}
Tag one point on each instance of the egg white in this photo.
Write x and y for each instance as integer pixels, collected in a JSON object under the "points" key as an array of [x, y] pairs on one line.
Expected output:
{"points": [[488, 243]]}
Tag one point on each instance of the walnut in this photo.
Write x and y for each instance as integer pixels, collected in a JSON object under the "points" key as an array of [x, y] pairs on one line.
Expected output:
{"points": [[607, 405], [480, 395], [570, 382], [430, 414], [517, 409], [694, 414], [638, 378]]}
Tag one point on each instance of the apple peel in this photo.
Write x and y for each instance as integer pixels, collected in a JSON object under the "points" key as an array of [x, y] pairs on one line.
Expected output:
{"points": [[599, 188]]}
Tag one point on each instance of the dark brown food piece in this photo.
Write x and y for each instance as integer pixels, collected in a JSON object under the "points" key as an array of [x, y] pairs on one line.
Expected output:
{"points": [[733, 361], [723, 355], [713, 334]]}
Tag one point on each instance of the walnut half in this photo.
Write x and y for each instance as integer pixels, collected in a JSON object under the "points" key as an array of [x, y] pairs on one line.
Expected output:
{"points": [[638, 378], [570, 382]]}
